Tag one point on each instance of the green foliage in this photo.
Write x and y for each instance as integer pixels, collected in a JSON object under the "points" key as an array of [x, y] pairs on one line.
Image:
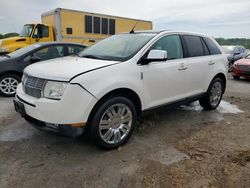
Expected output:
{"points": [[234, 41], [8, 35]]}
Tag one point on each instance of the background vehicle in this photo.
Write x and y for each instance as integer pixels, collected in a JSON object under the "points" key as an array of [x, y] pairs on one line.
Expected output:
{"points": [[241, 68], [118, 79], [13, 64], [72, 26], [234, 53]]}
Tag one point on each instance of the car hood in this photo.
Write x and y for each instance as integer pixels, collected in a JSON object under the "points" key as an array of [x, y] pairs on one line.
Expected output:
{"points": [[63, 69], [243, 62]]}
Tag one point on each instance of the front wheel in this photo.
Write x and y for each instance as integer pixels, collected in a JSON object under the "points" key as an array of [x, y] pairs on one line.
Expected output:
{"points": [[113, 122], [8, 84], [213, 96]]}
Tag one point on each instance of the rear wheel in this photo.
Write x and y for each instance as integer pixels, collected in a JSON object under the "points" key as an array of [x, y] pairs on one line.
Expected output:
{"points": [[8, 85], [113, 123], [214, 95]]}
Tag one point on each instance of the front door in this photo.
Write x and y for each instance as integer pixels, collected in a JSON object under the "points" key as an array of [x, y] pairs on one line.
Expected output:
{"points": [[165, 82]]}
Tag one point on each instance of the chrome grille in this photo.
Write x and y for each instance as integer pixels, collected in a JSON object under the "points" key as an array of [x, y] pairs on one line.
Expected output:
{"points": [[33, 86], [244, 67]]}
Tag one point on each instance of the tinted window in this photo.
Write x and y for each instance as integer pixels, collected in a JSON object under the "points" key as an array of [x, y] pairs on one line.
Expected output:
{"points": [[88, 24], [97, 25], [111, 26], [194, 45], [45, 31], [49, 53], [171, 44], [205, 48], [213, 48], [104, 26], [69, 31]]}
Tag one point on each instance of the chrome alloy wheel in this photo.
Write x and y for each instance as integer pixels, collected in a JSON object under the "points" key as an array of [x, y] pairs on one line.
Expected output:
{"points": [[8, 85], [116, 123], [215, 94]]}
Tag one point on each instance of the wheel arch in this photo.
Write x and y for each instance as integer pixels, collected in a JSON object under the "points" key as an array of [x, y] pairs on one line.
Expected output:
{"points": [[11, 72], [223, 78], [124, 92]]}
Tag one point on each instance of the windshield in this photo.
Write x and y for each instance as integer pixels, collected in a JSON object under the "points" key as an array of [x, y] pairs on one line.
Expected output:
{"points": [[26, 31], [228, 49], [248, 56], [24, 50], [118, 47]]}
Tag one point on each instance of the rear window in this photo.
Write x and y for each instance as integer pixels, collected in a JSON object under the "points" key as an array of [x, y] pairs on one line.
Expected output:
{"points": [[194, 46], [213, 48]]}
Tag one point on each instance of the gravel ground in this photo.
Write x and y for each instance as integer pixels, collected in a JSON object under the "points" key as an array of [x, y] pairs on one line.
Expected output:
{"points": [[180, 147]]}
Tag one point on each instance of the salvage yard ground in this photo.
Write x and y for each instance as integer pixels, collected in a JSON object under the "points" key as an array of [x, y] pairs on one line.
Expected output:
{"points": [[181, 147]]}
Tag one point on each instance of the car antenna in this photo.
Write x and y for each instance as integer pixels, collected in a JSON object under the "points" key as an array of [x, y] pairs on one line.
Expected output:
{"points": [[132, 31]]}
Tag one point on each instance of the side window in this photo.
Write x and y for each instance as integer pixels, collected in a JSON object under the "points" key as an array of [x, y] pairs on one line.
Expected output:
{"points": [[97, 27], [75, 49], [171, 44], [41, 31], [104, 26], [194, 45], [205, 48], [213, 48], [111, 26], [88, 24], [49, 53]]}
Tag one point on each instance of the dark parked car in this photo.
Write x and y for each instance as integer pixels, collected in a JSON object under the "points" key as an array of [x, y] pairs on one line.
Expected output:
{"points": [[234, 53], [13, 64]]}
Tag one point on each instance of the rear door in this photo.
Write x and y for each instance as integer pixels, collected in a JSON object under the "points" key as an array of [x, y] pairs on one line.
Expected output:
{"points": [[198, 64]]}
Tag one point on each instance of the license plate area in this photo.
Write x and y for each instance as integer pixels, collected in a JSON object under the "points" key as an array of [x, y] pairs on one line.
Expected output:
{"points": [[19, 107]]}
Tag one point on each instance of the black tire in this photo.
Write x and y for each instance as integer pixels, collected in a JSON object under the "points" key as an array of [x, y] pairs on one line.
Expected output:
{"points": [[236, 77], [100, 113], [15, 80], [205, 102]]}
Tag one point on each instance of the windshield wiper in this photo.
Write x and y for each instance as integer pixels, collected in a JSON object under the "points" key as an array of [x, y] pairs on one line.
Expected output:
{"points": [[91, 56]]}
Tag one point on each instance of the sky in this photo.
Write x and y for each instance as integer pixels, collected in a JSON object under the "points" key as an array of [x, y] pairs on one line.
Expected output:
{"points": [[217, 18]]}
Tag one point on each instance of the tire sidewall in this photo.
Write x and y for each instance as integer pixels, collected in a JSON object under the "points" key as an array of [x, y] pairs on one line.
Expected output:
{"points": [[210, 89], [94, 125]]}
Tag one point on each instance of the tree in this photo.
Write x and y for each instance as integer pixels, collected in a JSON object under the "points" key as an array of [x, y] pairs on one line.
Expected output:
{"points": [[234, 41]]}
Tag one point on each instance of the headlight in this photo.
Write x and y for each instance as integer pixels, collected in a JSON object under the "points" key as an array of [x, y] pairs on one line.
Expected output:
{"points": [[54, 90]]}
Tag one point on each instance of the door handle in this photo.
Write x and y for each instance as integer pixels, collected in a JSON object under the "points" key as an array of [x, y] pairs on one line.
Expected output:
{"points": [[211, 63], [183, 67]]}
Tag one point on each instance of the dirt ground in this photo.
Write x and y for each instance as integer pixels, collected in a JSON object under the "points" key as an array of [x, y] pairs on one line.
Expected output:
{"points": [[180, 147]]}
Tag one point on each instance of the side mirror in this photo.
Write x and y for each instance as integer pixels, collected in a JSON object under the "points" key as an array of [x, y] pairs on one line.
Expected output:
{"points": [[155, 55], [34, 59]]}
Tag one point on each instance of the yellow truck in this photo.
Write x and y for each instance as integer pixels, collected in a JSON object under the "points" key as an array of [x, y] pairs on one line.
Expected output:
{"points": [[72, 26]]}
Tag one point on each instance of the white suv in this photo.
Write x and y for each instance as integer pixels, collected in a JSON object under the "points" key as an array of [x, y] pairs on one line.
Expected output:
{"points": [[110, 84]]}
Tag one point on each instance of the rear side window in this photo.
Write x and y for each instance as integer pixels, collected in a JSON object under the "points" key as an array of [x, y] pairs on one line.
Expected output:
{"points": [[194, 46], [171, 44], [213, 48]]}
